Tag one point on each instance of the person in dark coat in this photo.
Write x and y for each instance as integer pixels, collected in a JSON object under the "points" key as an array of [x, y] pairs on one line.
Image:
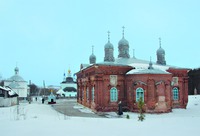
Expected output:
{"points": [[43, 100], [120, 112]]}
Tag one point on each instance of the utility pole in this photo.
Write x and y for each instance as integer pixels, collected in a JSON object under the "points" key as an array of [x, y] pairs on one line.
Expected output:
{"points": [[44, 88]]}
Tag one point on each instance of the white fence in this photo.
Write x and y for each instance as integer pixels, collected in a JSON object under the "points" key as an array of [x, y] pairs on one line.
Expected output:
{"points": [[5, 102]]}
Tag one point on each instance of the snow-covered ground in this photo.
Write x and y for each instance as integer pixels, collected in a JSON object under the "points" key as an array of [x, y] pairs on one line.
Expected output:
{"points": [[41, 119]]}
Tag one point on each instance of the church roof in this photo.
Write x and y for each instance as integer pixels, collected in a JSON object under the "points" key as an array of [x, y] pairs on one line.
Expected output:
{"points": [[69, 80], [147, 71], [69, 89], [140, 66], [9, 90], [134, 62], [16, 77], [111, 63]]}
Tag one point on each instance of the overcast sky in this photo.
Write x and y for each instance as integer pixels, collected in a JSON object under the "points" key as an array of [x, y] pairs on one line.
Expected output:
{"points": [[45, 38]]}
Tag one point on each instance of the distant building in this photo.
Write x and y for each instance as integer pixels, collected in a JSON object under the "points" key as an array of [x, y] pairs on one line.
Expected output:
{"points": [[7, 97], [68, 86], [18, 84], [101, 86], [194, 81]]}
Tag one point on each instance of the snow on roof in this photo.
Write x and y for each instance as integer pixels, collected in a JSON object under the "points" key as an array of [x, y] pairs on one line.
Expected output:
{"points": [[147, 71], [10, 91], [5, 88], [141, 66], [83, 66], [60, 91]]}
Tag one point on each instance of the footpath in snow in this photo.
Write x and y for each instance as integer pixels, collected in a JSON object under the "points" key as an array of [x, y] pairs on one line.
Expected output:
{"points": [[41, 119]]}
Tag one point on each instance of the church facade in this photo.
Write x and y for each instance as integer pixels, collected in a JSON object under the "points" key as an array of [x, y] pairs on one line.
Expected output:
{"points": [[18, 84], [101, 86], [68, 87]]}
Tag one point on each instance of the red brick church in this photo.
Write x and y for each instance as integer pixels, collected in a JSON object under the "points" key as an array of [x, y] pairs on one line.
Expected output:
{"points": [[101, 86]]}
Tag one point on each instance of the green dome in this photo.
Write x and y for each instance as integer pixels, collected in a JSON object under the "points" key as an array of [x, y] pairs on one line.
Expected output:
{"points": [[108, 45], [123, 42]]}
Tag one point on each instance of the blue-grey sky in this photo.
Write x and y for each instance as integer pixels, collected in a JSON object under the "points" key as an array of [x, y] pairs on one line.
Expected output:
{"points": [[46, 37]]}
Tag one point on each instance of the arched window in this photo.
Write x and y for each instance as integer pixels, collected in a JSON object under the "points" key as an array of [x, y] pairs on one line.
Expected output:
{"points": [[82, 94], [93, 94], [175, 93], [113, 94], [139, 93], [87, 93]]}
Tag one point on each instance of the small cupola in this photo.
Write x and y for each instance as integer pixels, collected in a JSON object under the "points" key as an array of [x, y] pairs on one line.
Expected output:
{"points": [[92, 57]]}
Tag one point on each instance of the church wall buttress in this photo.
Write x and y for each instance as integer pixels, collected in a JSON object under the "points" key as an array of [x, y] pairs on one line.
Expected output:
{"points": [[168, 94], [181, 90], [98, 93], [121, 88], [185, 91], [151, 99]]}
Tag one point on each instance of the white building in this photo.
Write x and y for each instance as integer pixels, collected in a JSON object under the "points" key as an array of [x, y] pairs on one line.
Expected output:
{"points": [[7, 97], [18, 84], [68, 87]]}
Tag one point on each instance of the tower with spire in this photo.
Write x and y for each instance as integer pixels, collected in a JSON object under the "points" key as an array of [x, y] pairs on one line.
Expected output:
{"points": [[123, 47], [108, 49], [68, 87], [92, 57], [160, 55]]}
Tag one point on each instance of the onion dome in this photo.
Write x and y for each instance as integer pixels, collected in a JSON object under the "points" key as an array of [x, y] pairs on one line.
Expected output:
{"points": [[160, 50], [123, 47], [92, 57], [16, 77], [108, 49], [108, 45], [161, 55], [123, 42]]}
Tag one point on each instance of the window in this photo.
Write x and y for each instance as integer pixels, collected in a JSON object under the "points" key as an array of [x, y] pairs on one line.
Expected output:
{"points": [[113, 94], [87, 94], [139, 93], [93, 94], [82, 94], [175, 93]]}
